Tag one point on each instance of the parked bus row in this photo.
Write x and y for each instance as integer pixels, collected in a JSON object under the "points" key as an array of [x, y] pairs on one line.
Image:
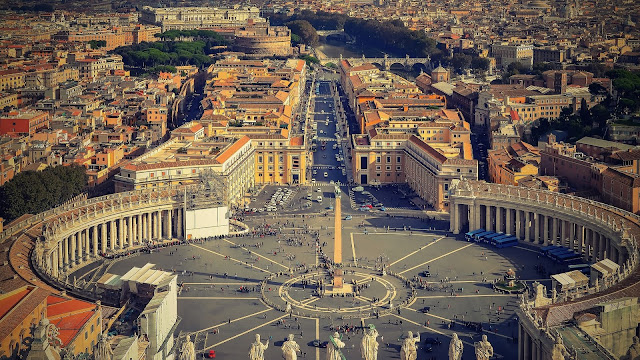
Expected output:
{"points": [[497, 239]]}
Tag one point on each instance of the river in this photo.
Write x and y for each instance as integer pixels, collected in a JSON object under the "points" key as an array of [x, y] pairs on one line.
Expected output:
{"points": [[333, 49]]}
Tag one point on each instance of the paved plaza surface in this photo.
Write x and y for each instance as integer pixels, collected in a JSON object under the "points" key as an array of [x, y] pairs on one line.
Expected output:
{"points": [[213, 273]]}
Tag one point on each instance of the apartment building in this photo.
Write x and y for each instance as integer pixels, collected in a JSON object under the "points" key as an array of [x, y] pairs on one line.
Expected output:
{"points": [[510, 164], [24, 122], [382, 156], [178, 162], [11, 79], [506, 54]]}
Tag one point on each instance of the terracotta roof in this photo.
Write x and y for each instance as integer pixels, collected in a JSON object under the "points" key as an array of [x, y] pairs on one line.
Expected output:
{"points": [[232, 149], [26, 306], [428, 149], [297, 141]]}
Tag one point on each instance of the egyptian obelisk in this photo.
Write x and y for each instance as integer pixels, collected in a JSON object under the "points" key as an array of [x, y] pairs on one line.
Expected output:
{"points": [[337, 244]]}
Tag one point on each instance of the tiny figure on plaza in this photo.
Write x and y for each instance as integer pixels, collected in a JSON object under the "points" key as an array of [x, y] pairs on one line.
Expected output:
{"points": [[484, 349], [334, 346], [290, 349], [257, 349], [409, 350], [369, 345], [188, 350], [455, 348]]}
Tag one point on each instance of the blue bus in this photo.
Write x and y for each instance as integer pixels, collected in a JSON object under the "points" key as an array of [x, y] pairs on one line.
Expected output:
{"points": [[558, 250], [487, 238], [503, 236], [477, 237], [546, 249], [554, 254], [469, 236], [506, 242], [569, 259]]}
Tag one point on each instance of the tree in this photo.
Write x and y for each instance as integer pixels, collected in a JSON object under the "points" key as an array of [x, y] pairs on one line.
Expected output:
{"points": [[33, 192], [461, 62], [480, 64], [305, 31], [585, 114]]}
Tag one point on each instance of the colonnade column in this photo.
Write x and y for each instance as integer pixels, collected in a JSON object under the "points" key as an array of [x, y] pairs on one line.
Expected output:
{"points": [[130, 228], [554, 232], [139, 228], [120, 232], [498, 219], [477, 217], [170, 224], [112, 238], [103, 240], [95, 241], [65, 250], [580, 239], [545, 230], [518, 224], [61, 261], [74, 239], [160, 224], [509, 227], [572, 236], [536, 229], [487, 219], [527, 226], [180, 233]]}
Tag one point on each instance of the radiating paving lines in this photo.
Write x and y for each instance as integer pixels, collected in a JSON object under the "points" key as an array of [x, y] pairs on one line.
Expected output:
{"points": [[230, 258], [434, 259]]}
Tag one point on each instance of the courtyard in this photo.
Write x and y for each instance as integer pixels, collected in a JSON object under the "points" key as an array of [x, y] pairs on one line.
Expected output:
{"points": [[222, 306]]}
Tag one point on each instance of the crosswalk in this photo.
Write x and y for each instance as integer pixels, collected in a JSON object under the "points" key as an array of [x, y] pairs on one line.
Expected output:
{"points": [[322, 167], [327, 139]]}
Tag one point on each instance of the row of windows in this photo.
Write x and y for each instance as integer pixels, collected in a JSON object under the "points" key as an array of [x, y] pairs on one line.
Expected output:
{"points": [[398, 168], [398, 159]]}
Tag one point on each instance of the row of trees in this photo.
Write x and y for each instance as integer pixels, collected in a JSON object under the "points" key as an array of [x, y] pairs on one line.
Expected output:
{"points": [[150, 54], [303, 32], [627, 84], [96, 44], [320, 20], [390, 37], [210, 35], [31, 192]]}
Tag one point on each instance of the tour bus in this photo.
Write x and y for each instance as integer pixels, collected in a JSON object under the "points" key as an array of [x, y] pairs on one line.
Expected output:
{"points": [[558, 254], [478, 237], [487, 238], [584, 268], [494, 239], [567, 257], [549, 252], [469, 236], [506, 242], [545, 249]]}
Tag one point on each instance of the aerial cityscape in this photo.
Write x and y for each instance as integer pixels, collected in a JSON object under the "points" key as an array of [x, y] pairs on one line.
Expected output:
{"points": [[368, 179]]}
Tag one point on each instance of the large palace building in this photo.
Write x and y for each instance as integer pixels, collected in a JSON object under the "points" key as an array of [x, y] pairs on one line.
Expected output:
{"points": [[188, 18]]}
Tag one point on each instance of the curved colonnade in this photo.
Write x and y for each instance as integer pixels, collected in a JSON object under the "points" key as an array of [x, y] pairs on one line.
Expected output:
{"points": [[592, 229], [82, 231]]}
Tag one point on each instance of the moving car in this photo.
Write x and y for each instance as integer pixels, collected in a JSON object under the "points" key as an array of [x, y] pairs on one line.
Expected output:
{"points": [[348, 217], [319, 198], [326, 174]]}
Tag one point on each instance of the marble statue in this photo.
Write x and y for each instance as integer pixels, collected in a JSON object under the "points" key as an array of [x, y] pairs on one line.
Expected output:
{"points": [[290, 349], [369, 346], [484, 350], [257, 349], [559, 351], [455, 348], [409, 351], [188, 350], [634, 350], [103, 349], [334, 346]]}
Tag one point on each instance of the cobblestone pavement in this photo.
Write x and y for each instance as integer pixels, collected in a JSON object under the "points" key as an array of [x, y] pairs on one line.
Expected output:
{"points": [[214, 272]]}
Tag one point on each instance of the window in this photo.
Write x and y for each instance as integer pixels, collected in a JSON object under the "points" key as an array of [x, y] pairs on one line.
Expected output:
{"points": [[378, 167], [377, 174], [270, 159], [398, 168], [281, 158], [388, 168], [446, 187], [151, 174], [398, 159], [259, 159], [377, 159], [193, 171]]}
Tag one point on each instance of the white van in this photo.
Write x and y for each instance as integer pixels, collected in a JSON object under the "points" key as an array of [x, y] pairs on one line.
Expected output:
{"points": [[319, 198]]}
